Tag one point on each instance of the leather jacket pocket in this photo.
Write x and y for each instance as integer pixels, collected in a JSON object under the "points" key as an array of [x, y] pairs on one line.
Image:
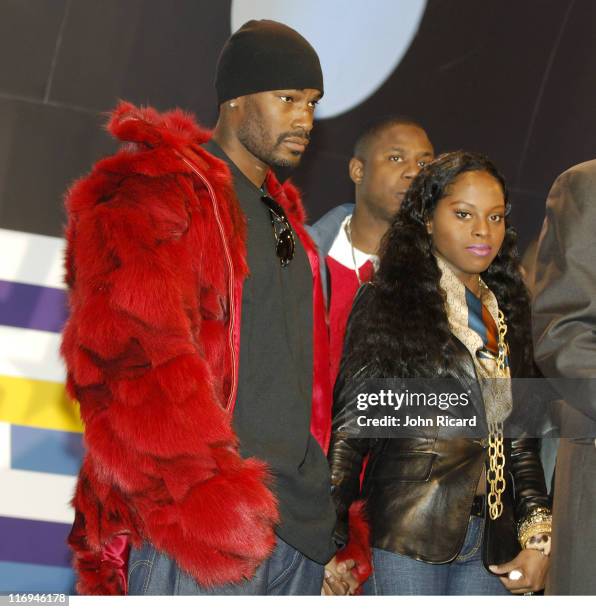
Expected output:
{"points": [[411, 466]]}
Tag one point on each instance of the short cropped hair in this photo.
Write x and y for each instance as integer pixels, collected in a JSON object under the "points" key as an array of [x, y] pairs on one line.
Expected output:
{"points": [[374, 129]]}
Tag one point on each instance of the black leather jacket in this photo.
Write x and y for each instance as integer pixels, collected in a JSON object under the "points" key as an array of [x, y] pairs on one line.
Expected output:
{"points": [[419, 491]]}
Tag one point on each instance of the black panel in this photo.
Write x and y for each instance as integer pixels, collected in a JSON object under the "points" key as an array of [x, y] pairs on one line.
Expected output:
{"points": [[174, 56], [94, 57], [42, 149], [564, 132], [28, 33], [147, 51]]}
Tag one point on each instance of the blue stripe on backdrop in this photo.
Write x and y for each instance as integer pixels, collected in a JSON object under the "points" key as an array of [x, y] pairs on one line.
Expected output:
{"points": [[30, 578], [32, 307], [45, 450]]}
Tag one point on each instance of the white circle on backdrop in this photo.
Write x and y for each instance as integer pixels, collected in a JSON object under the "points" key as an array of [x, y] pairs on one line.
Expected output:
{"points": [[359, 43]]}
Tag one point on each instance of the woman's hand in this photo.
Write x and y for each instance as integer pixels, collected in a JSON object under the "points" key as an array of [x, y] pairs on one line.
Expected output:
{"points": [[339, 579], [533, 566]]}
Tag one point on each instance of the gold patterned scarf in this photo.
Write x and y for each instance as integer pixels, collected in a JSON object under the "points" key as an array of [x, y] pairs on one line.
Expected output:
{"points": [[492, 372]]}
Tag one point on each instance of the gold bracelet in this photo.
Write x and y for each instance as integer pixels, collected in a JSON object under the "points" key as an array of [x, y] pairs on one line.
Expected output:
{"points": [[538, 521]]}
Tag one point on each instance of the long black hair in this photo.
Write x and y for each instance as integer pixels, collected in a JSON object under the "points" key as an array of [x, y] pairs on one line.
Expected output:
{"points": [[403, 319]]}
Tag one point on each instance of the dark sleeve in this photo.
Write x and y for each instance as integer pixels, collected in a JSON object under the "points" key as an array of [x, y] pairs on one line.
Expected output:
{"points": [[528, 477], [347, 452], [564, 309]]}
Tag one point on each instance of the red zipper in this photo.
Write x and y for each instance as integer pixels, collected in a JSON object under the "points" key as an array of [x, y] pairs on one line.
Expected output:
{"points": [[228, 257]]}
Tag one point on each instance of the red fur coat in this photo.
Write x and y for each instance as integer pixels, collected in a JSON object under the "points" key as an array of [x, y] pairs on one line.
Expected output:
{"points": [[156, 259]]}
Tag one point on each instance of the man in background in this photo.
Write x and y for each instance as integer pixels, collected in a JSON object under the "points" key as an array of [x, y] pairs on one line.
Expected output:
{"points": [[387, 156]]}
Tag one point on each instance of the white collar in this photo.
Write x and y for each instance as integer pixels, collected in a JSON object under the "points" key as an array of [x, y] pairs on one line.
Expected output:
{"points": [[341, 250]]}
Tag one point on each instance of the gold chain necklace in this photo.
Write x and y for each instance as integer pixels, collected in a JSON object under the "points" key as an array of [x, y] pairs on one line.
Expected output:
{"points": [[349, 235], [496, 454], [496, 467]]}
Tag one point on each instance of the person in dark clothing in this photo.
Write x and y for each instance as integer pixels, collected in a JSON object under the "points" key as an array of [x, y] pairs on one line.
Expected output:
{"points": [[447, 302], [564, 322]]}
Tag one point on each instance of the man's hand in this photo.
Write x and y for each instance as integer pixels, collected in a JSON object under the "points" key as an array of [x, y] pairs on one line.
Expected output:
{"points": [[339, 579], [533, 567]]}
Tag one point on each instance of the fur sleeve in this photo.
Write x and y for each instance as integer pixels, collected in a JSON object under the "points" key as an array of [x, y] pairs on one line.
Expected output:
{"points": [[358, 547], [157, 436]]}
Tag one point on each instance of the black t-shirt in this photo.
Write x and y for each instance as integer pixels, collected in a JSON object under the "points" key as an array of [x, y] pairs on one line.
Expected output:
{"points": [[273, 407]]}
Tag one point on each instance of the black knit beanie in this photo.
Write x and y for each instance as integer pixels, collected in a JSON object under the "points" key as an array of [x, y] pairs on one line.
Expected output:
{"points": [[264, 56]]}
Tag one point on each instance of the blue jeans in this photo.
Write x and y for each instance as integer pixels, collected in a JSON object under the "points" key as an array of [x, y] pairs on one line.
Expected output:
{"points": [[396, 574], [285, 572]]}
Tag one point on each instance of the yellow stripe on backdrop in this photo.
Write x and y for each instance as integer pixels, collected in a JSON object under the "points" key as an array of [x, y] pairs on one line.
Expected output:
{"points": [[38, 403]]}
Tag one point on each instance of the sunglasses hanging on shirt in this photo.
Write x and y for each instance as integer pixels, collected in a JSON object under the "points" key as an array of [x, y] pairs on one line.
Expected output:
{"points": [[282, 231]]}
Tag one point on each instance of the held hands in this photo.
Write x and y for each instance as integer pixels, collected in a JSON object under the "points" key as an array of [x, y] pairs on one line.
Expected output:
{"points": [[533, 567], [339, 579]]}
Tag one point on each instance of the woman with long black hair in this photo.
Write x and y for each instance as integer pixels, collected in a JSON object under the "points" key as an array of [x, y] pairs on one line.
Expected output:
{"points": [[448, 515]]}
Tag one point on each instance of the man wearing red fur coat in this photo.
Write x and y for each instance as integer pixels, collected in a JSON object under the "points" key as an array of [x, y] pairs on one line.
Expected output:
{"points": [[196, 318]]}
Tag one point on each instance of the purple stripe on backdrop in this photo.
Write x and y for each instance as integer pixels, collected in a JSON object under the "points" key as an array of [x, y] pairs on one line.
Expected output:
{"points": [[32, 307], [39, 542]]}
